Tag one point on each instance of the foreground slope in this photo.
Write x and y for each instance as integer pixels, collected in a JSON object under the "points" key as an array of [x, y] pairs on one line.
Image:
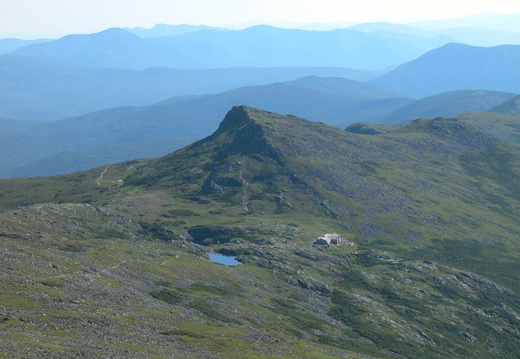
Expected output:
{"points": [[110, 268]]}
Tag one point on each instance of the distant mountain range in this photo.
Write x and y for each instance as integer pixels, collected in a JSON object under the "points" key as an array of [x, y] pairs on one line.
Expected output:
{"points": [[55, 79], [449, 104], [155, 130], [46, 83], [44, 89], [123, 133], [161, 30], [511, 107], [40, 88], [494, 21], [9, 45], [260, 46], [112, 48], [466, 35], [457, 67]]}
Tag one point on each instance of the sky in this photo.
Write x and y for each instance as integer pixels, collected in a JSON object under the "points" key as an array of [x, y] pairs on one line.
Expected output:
{"points": [[55, 18]]}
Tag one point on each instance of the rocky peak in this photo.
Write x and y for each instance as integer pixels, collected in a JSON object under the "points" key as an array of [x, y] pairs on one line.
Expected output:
{"points": [[237, 117]]}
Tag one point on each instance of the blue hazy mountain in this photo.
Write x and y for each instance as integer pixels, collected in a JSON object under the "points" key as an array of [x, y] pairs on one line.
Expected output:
{"points": [[161, 30], [258, 46], [482, 37], [10, 127], [466, 35], [265, 45], [11, 44], [112, 48], [128, 132], [46, 89], [457, 67], [449, 104], [503, 22], [511, 107], [392, 28]]}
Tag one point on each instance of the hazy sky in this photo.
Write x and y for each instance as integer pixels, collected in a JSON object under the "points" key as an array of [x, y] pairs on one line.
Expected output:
{"points": [[52, 18]]}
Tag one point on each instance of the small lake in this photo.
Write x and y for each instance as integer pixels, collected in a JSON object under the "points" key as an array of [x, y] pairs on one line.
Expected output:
{"points": [[225, 260]]}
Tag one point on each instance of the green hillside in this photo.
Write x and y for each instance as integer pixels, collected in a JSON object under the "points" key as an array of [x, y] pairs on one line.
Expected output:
{"points": [[504, 126], [109, 262]]}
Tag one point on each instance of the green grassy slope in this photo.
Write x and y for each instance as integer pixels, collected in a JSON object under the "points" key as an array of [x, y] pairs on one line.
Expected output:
{"points": [[504, 126], [432, 210]]}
